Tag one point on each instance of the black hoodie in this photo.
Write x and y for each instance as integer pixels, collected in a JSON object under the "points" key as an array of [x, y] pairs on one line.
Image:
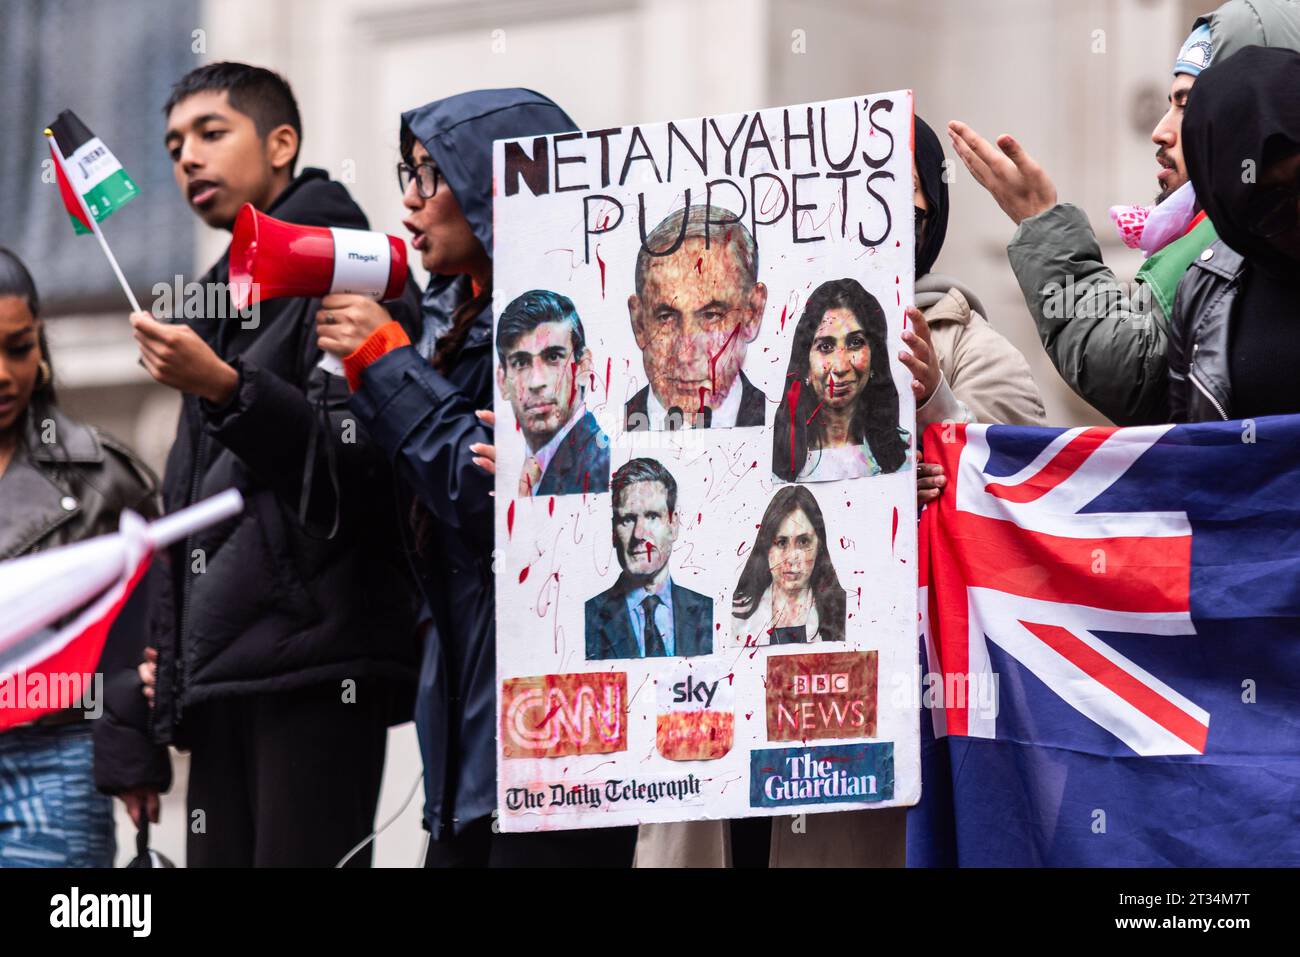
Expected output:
{"points": [[262, 603], [1242, 118]]}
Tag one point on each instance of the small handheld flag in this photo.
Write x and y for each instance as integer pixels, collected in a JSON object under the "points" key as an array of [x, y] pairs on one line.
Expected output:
{"points": [[92, 183]]}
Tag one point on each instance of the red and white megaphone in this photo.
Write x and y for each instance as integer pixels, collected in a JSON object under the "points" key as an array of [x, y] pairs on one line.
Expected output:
{"points": [[270, 259]]}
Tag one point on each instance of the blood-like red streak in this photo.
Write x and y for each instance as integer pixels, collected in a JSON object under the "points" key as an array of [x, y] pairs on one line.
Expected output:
{"points": [[713, 360], [792, 401]]}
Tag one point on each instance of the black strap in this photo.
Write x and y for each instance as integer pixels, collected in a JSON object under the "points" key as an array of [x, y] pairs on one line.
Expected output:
{"points": [[322, 424]]}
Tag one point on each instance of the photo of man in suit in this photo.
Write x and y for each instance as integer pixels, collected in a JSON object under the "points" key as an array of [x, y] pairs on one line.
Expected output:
{"points": [[646, 614], [698, 305], [543, 359]]}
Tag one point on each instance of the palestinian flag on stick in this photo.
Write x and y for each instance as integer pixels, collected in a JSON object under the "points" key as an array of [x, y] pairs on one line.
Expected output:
{"points": [[91, 180]]}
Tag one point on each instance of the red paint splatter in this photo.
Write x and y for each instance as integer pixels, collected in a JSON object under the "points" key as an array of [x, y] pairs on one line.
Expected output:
{"points": [[816, 410], [713, 360], [549, 715], [699, 265], [792, 401], [573, 381], [586, 482], [523, 574], [551, 505], [608, 363], [510, 519], [894, 534], [699, 517], [650, 551], [784, 310], [601, 263]]}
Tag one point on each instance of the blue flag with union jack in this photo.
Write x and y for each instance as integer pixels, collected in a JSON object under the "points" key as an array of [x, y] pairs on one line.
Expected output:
{"points": [[1110, 627]]}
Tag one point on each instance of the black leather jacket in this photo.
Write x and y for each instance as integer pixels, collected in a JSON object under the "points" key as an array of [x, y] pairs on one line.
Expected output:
{"points": [[71, 488], [61, 491], [1199, 386]]}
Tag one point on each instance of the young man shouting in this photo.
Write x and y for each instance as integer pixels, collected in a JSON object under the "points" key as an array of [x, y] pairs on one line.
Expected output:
{"points": [[285, 637]]}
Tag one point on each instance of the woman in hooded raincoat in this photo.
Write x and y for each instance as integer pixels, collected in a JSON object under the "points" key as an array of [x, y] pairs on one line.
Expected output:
{"points": [[421, 403]]}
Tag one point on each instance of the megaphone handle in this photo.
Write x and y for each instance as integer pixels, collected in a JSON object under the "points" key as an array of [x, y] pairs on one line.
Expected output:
{"points": [[331, 364]]}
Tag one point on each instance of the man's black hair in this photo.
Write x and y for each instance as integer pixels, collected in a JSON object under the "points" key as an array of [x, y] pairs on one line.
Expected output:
{"points": [[262, 95], [527, 312], [643, 470]]}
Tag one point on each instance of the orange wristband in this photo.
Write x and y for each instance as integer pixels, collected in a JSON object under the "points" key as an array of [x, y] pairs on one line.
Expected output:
{"points": [[382, 341]]}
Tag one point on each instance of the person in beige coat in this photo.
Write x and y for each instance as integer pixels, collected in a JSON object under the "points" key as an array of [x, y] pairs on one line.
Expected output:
{"points": [[982, 378]]}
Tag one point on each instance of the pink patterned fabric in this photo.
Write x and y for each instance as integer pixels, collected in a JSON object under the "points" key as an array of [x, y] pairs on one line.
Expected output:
{"points": [[1130, 221]]}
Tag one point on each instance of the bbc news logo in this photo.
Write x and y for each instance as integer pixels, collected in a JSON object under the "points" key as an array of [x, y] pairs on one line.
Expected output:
{"points": [[828, 695], [821, 684]]}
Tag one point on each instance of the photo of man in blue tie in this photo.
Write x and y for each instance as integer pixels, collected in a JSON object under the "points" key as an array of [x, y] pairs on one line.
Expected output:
{"points": [[646, 614]]}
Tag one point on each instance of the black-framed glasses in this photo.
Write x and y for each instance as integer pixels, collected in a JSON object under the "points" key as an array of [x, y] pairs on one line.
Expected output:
{"points": [[426, 178]]}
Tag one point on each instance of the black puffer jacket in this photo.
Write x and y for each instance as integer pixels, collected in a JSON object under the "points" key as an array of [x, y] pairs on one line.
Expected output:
{"points": [[264, 602]]}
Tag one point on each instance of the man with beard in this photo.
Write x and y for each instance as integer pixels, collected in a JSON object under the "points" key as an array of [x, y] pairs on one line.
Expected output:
{"points": [[646, 614], [1110, 348], [543, 359]]}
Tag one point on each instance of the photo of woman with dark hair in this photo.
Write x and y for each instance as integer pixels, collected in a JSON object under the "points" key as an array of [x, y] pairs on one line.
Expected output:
{"points": [[788, 592], [839, 413]]}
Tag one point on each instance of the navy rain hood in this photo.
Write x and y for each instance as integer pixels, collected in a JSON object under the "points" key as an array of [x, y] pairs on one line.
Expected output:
{"points": [[459, 131]]}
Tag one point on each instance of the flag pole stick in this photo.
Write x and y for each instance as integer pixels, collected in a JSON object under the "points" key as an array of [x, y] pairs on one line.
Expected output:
{"points": [[112, 261], [94, 227]]}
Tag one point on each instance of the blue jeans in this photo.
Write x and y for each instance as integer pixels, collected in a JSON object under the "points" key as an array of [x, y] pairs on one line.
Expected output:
{"points": [[50, 813]]}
